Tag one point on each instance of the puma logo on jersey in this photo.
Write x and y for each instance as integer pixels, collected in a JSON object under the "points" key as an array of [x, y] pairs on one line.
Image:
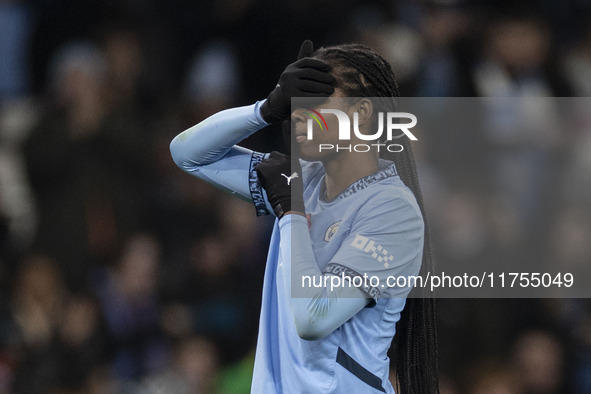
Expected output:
{"points": [[289, 178]]}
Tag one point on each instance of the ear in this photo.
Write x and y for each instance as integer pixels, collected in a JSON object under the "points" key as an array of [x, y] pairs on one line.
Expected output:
{"points": [[364, 108]]}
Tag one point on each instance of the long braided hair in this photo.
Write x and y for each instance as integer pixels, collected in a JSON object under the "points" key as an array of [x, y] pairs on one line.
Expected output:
{"points": [[361, 72]]}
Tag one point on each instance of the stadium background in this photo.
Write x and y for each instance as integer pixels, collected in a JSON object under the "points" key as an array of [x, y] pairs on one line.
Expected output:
{"points": [[120, 273]]}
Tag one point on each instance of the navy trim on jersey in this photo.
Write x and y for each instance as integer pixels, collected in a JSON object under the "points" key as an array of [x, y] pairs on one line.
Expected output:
{"points": [[358, 370], [386, 171], [338, 269], [256, 193]]}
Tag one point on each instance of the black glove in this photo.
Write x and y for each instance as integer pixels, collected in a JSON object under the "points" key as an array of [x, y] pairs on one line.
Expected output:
{"points": [[307, 77], [282, 178]]}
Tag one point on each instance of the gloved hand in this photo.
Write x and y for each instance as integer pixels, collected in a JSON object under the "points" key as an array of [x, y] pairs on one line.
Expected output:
{"points": [[281, 177], [307, 77]]}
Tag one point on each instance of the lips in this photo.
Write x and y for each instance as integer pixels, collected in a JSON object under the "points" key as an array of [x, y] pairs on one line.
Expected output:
{"points": [[300, 133], [300, 138]]}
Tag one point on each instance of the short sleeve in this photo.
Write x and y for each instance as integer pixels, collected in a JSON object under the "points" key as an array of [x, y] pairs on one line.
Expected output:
{"points": [[385, 242]]}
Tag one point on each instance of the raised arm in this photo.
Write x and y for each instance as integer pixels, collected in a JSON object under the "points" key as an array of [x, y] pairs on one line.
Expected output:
{"points": [[210, 140], [208, 151]]}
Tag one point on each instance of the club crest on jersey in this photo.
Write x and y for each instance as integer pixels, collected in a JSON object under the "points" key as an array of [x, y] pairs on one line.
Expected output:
{"points": [[331, 231]]}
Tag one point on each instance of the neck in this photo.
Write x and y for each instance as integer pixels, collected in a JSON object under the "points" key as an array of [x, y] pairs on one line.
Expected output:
{"points": [[343, 170]]}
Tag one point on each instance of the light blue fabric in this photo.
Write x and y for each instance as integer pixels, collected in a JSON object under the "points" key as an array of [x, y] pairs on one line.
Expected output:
{"points": [[323, 340]]}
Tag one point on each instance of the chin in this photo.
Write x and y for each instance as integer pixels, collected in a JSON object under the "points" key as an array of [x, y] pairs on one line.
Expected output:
{"points": [[309, 152]]}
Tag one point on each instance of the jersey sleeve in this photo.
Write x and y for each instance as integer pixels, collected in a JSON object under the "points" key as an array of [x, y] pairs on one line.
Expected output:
{"points": [[386, 240], [385, 243], [208, 151], [322, 309]]}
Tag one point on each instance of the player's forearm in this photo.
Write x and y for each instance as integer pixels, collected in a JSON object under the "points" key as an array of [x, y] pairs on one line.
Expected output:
{"points": [[317, 311], [209, 140]]}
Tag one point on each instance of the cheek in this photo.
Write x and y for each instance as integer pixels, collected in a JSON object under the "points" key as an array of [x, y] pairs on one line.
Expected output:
{"points": [[320, 133], [333, 125], [328, 133]]}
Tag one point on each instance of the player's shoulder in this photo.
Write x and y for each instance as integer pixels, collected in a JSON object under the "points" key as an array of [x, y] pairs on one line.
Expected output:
{"points": [[390, 207], [390, 192]]}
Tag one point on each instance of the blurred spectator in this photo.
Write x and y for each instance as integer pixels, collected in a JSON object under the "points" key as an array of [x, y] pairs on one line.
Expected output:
{"points": [[81, 343], [446, 29], [538, 359], [400, 45], [521, 129], [446, 386], [130, 94], [575, 186], [569, 241], [493, 377], [82, 164], [193, 369], [38, 304], [462, 227], [517, 60], [17, 24], [574, 316], [123, 53], [38, 300], [214, 293], [16, 202], [577, 66], [213, 81], [128, 294], [16, 113]]}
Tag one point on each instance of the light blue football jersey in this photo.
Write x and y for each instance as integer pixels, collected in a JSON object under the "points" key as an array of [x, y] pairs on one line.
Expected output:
{"points": [[373, 227]]}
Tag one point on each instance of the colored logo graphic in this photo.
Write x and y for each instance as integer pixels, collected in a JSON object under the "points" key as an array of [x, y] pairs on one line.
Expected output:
{"points": [[317, 117]]}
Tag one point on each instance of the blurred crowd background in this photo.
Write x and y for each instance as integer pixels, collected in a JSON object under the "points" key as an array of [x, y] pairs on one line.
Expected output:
{"points": [[121, 274]]}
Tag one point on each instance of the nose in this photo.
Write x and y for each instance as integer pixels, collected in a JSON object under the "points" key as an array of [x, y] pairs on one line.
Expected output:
{"points": [[297, 116]]}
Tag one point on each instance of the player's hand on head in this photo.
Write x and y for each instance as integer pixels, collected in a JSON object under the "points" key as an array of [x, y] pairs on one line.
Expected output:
{"points": [[281, 177], [307, 77]]}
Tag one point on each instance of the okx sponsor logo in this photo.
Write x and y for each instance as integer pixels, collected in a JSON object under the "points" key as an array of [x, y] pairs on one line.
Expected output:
{"points": [[390, 127]]}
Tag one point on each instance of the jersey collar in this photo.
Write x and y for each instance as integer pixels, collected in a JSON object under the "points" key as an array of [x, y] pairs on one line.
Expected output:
{"points": [[387, 169]]}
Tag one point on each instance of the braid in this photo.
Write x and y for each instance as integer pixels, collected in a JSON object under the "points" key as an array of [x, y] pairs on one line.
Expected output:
{"points": [[361, 72]]}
